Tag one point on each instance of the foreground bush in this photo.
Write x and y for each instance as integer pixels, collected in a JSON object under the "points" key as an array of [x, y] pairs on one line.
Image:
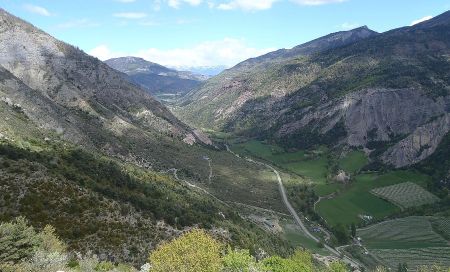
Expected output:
{"points": [[24, 249], [193, 251]]}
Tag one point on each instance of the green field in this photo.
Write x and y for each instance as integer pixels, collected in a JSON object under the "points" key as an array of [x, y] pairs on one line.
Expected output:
{"points": [[412, 240], [352, 201], [357, 199], [353, 161], [312, 165], [409, 232], [405, 195], [415, 257]]}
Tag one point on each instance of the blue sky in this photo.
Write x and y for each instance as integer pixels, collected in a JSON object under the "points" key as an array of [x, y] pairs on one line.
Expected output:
{"points": [[191, 33]]}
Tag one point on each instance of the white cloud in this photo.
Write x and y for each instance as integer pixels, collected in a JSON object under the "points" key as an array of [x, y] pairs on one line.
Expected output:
{"points": [[37, 10], [349, 26], [226, 52], [177, 3], [130, 15], [316, 2], [418, 21], [78, 23], [247, 5], [103, 52]]}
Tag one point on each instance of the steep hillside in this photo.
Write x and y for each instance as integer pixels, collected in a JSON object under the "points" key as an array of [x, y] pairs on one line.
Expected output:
{"points": [[274, 74], [385, 92], [110, 167], [158, 80], [85, 101]]}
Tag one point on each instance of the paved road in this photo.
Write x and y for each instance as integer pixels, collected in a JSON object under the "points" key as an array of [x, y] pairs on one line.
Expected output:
{"points": [[299, 221], [295, 215]]}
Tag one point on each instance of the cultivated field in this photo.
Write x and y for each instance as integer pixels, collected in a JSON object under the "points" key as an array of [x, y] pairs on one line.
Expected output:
{"points": [[412, 240], [441, 225], [353, 200], [409, 232], [356, 200], [415, 257], [405, 195]]}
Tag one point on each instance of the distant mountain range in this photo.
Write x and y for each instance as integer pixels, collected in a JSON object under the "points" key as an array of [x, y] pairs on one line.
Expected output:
{"points": [[206, 70], [386, 92], [160, 81]]}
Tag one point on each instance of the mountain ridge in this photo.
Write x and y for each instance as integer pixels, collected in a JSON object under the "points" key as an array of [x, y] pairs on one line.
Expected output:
{"points": [[329, 41], [158, 80]]}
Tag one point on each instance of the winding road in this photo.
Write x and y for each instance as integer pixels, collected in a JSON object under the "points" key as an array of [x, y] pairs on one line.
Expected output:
{"points": [[294, 214]]}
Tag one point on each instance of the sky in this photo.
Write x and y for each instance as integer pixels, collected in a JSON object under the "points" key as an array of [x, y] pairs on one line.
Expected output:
{"points": [[197, 33]]}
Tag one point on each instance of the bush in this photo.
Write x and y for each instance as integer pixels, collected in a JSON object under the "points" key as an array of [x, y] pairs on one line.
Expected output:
{"points": [[23, 249], [193, 251], [17, 241]]}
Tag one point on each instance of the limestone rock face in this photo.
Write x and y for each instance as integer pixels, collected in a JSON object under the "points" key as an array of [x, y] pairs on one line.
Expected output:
{"points": [[373, 114], [420, 144], [380, 114]]}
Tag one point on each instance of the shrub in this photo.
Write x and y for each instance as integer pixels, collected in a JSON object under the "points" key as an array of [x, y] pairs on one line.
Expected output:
{"points": [[23, 249], [17, 241], [193, 251]]}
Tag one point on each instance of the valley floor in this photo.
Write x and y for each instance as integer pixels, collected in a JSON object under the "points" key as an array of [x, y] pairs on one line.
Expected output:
{"points": [[357, 201]]}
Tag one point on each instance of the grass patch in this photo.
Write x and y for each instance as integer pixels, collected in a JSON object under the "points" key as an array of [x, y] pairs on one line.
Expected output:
{"points": [[353, 161]]}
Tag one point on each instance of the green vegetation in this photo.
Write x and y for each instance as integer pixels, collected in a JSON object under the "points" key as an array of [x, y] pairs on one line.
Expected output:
{"points": [[409, 232], [349, 205], [441, 225], [25, 250], [295, 235], [96, 203], [405, 195], [312, 164], [411, 240], [353, 161], [415, 257], [194, 251]]}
